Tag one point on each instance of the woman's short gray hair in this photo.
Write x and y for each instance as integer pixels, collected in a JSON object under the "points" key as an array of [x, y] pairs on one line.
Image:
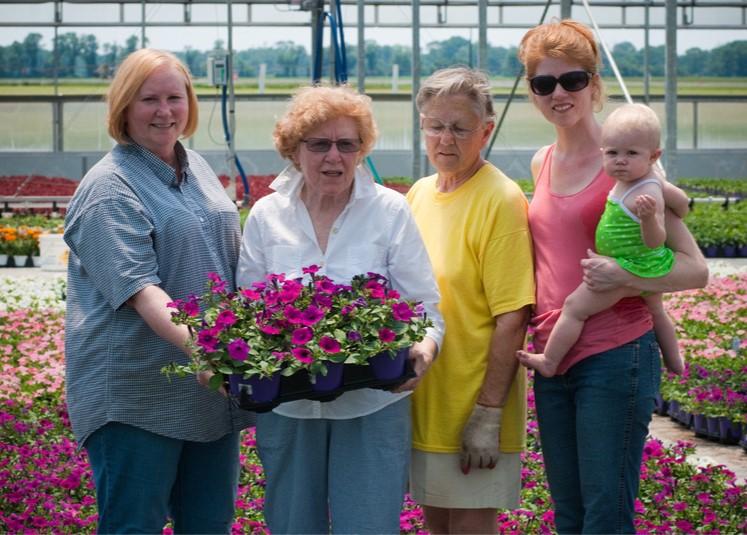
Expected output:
{"points": [[458, 80]]}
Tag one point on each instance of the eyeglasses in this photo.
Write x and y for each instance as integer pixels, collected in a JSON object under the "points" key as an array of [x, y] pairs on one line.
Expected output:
{"points": [[570, 81], [433, 128], [321, 144]]}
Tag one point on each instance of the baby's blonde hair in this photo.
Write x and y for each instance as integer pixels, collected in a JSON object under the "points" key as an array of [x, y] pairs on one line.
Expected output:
{"points": [[637, 117]]}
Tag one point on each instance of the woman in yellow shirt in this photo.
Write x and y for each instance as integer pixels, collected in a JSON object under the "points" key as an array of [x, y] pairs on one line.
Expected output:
{"points": [[469, 411]]}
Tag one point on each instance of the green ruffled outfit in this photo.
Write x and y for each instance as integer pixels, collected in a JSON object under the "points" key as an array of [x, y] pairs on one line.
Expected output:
{"points": [[619, 236]]}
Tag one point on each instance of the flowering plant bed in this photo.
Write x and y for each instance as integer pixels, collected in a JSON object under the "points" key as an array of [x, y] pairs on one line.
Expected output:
{"points": [[284, 326], [46, 483], [712, 329]]}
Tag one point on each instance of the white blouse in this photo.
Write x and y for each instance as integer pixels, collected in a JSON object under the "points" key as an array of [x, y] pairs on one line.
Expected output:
{"points": [[375, 232]]}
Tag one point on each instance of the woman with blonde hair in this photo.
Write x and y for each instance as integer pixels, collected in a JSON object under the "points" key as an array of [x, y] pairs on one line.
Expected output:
{"points": [[145, 227]]}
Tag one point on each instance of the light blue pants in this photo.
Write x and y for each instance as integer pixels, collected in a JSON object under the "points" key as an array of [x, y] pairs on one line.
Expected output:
{"points": [[141, 478], [339, 476]]}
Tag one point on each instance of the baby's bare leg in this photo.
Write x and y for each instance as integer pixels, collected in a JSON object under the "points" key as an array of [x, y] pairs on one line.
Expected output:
{"points": [[666, 336], [578, 306]]}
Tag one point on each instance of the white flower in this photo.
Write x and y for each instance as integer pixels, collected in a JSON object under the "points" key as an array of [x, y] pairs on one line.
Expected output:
{"points": [[32, 292]]}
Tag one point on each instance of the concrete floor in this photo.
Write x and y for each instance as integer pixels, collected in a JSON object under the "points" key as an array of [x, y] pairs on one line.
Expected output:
{"points": [[706, 451]]}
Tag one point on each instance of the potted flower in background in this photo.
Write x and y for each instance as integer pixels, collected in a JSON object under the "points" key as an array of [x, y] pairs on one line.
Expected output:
{"points": [[279, 327], [7, 236]]}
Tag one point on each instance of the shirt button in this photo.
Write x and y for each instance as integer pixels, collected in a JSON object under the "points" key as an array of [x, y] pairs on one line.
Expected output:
{"points": [[202, 220], [334, 231]]}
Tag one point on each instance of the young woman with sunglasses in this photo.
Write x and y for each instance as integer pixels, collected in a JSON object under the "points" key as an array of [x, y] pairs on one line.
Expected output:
{"points": [[594, 415]]}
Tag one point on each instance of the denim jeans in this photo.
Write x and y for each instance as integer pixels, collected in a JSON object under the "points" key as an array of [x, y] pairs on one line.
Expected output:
{"points": [[338, 476], [141, 478], [593, 424]]}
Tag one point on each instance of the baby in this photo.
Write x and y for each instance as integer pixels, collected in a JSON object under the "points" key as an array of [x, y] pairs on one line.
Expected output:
{"points": [[631, 230]]}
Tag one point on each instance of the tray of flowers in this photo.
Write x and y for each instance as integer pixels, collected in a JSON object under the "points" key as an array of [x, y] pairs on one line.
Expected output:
{"points": [[283, 339], [300, 385]]}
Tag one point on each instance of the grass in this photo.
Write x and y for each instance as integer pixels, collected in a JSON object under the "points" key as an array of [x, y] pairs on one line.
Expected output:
{"points": [[28, 126]]}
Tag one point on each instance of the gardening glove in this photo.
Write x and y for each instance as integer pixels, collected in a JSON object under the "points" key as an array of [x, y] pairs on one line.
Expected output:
{"points": [[480, 438]]}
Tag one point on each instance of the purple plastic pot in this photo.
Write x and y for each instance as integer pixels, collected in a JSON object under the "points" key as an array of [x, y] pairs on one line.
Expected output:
{"points": [[331, 381], [260, 389], [700, 425], [386, 366], [729, 432]]}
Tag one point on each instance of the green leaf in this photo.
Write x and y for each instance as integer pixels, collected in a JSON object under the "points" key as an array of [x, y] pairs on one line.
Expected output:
{"points": [[216, 381]]}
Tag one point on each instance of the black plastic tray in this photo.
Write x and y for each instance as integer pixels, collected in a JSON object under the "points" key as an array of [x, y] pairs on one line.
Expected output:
{"points": [[298, 386]]}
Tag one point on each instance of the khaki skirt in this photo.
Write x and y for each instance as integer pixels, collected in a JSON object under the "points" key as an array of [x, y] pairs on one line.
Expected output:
{"points": [[437, 480]]}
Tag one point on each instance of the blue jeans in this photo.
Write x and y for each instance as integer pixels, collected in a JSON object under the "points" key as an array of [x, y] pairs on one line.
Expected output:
{"points": [[339, 476], [593, 424], [141, 478]]}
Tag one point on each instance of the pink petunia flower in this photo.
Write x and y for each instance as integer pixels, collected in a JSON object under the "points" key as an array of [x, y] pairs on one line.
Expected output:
{"points": [[207, 339], [312, 315], [387, 335], [302, 354], [238, 349], [302, 335], [402, 312], [225, 319], [329, 345]]}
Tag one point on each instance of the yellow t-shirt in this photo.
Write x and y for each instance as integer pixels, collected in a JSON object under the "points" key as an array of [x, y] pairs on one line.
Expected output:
{"points": [[478, 242]]}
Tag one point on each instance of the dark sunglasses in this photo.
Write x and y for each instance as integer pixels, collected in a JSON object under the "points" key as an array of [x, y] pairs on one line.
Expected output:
{"points": [[570, 81], [320, 144]]}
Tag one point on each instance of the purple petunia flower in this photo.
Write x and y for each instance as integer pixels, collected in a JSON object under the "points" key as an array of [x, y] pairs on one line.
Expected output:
{"points": [[329, 345], [292, 314], [302, 354], [377, 290], [225, 319], [325, 286], [302, 335], [402, 312], [218, 284], [290, 291], [238, 349], [354, 336], [192, 306], [312, 315], [322, 301], [207, 339], [387, 335], [268, 329], [251, 295], [310, 270]]}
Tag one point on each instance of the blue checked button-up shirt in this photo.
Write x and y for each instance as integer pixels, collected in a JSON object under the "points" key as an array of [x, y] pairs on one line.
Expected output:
{"points": [[133, 224]]}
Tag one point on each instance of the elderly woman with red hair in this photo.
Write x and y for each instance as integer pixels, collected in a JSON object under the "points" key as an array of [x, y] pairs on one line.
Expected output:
{"points": [[340, 465]]}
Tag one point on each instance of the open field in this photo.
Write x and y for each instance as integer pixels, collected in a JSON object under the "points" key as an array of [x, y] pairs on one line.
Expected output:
{"points": [[710, 86], [28, 126]]}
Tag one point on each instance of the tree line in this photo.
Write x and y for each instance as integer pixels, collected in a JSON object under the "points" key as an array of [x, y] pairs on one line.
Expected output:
{"points": [[81, 56]]}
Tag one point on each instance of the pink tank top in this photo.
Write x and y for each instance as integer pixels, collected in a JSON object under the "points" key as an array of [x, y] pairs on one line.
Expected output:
{"points": [[563, 229]]}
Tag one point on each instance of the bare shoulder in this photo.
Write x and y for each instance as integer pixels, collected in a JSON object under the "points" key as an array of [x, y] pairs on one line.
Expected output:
{"points": [[537, 161]]}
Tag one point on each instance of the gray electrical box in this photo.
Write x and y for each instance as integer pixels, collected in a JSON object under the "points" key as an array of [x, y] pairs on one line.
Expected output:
{"points": [[217, 70]]}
